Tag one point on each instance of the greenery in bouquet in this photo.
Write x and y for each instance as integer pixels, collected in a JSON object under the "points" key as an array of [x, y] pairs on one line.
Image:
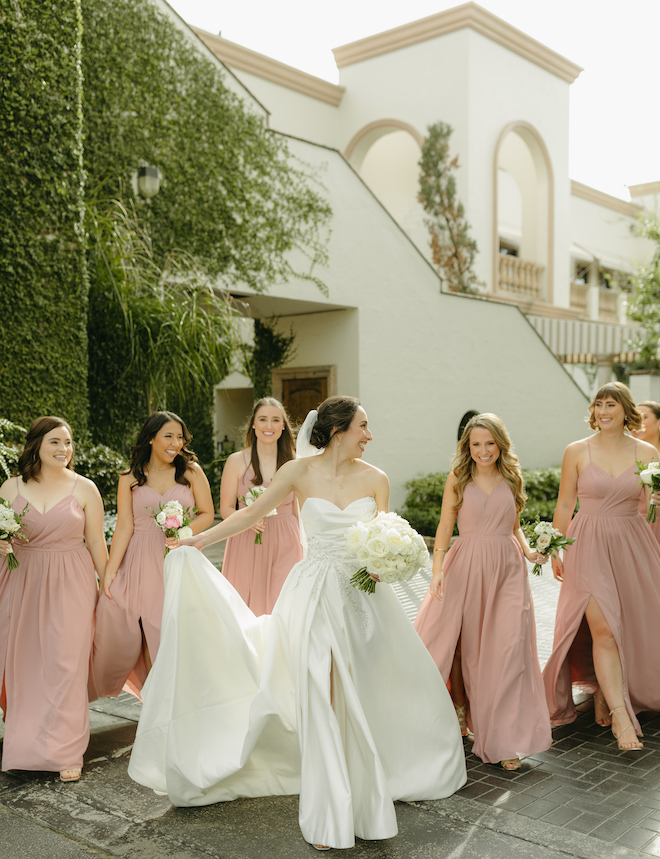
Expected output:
{"points": [[649, 473], [546, 540]]}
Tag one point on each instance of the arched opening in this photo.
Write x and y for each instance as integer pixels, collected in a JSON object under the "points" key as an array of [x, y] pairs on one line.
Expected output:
{"points": [[523, 216], [386, 155], [464, 422]]}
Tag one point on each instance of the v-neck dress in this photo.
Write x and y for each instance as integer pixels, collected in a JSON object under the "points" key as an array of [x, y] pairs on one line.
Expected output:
{"points": [[137, 601], [46, 622], [258, 570], [488, 604], [614, 560]]}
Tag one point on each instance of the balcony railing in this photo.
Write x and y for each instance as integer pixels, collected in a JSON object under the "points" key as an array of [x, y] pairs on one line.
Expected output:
{"points": [[519, 278], [600, 304]]}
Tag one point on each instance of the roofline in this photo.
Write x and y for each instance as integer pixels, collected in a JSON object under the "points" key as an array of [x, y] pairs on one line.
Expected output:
{"points": [[644, 188], [467, 15], [607, 200], [238, 57]]}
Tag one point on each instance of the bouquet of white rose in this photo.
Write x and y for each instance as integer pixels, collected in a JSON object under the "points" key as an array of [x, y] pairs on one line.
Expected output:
{"points": [[387, 547], [546, 540], [252, 494], [174, 519], [10, 527], [649, 473]]}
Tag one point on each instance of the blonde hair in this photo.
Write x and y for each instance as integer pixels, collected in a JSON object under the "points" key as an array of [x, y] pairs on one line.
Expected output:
{"points": [[464, 466], [622, 395]]}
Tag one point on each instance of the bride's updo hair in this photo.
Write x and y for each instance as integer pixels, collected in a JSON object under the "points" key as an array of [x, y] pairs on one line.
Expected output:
{"points": [[335, 415]]}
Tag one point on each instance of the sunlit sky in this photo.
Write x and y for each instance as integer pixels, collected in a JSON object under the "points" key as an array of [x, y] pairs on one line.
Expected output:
{"points": [[615, 102]]}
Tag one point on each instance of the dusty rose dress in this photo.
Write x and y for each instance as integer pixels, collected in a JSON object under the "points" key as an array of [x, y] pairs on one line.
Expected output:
{"points": [[614, 560], [137, 601], [256, 571], [488, 603], [46, 618]]}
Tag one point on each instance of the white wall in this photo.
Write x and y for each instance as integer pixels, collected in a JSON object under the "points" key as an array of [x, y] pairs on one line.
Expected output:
{"points": [[611, 236], [419, 359]]}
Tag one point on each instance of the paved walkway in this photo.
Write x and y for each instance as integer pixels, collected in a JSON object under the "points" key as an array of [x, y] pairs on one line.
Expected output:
{"points": [[581, 798]]}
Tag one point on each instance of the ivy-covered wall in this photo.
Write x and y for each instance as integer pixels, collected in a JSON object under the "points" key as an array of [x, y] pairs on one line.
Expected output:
{"points": [[42, 263]]}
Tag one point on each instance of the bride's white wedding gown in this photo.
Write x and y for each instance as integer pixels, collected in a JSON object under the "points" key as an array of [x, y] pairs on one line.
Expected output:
{"points": [[238, 705]]}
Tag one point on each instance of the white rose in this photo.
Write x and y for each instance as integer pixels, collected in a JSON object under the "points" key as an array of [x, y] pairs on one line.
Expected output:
{"points": [[646, 476], [356, 537], [161, 517], [184, 532], [542, 542], [376, 566], [376, 546]]}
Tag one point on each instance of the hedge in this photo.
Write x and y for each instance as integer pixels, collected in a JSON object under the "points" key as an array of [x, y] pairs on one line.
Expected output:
{"points": [[423, 503], [42, 259]]}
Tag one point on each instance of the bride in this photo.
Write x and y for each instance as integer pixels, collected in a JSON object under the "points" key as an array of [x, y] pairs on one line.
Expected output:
{"points": [[333, 696]]}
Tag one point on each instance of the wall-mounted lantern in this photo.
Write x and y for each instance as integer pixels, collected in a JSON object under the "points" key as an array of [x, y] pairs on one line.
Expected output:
{"points": [[148, 181]]}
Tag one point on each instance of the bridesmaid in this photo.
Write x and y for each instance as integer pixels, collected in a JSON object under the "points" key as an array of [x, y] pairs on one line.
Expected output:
{"points": [[47, 606], [650, 431], [257, 571], [129, 610], [607, 635], [485, 603]]}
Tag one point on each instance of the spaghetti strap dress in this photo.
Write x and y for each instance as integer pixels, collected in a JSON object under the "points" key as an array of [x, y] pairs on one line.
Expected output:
{"points": [[258, 571], [46, 623], [615, 560], [488, 604], [134, 612]]}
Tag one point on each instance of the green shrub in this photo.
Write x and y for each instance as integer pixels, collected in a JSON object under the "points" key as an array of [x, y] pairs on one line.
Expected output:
{"points": [[102, 465], [423, 503]]}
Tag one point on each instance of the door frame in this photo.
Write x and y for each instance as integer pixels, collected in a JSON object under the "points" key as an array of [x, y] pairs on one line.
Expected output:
{"points": [[327, 371]]}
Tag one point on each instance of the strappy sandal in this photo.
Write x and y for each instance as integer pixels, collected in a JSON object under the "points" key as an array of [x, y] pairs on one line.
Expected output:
{"points": [[462, 719], [629, 727], [602, 703], [511, 764], [71, 774]]}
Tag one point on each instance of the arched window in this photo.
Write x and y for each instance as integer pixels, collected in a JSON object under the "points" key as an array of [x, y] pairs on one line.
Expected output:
{"points": [[464, 422]]}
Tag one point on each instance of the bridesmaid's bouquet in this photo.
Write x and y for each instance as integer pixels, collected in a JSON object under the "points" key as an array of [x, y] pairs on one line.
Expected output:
{"points": [[387, 547], [249, 498], [11, 523], [546, 540], [173, 519], [649, 473]]}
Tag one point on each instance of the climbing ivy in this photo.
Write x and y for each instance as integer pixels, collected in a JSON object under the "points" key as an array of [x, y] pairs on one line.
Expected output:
{"points": [[42, 262]]}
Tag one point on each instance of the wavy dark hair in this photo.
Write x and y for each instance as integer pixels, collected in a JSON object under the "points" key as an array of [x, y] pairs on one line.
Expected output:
{"points": [[335, 415], [29, 462], [286, 446], [141, 450]]}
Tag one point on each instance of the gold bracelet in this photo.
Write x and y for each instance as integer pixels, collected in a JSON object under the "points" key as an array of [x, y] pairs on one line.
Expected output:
{"points": [[440, 550]]}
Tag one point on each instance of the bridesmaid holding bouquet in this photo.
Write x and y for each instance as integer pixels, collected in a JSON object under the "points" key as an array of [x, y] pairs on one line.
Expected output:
{"points": [[607, 634], [47, 605], [128, 614], [650, 432], [258, 561], [477, 619]]}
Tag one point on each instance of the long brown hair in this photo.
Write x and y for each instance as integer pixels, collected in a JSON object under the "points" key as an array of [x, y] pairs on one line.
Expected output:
{"points": [[464, 466], [286, 446], [141, 450], [29, 462]]}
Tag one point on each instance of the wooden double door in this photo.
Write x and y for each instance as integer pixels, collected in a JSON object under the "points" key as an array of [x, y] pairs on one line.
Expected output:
{"points": [[299, 396]]}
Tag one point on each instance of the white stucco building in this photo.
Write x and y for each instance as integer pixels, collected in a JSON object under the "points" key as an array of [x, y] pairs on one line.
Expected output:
{"points": [[421, 359]]}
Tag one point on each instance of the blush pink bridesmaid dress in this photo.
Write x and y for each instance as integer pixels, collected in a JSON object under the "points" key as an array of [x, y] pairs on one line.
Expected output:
{"points": [[488, 604], [256, 571], [136, 606], [46, 624], [615, 560]]}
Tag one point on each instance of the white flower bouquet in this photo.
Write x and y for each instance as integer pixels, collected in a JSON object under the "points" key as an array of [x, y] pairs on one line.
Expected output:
{"points": [[11, 523], [546, 540], [249, 498], [649, 473], [387, 547], [174, 519]]}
